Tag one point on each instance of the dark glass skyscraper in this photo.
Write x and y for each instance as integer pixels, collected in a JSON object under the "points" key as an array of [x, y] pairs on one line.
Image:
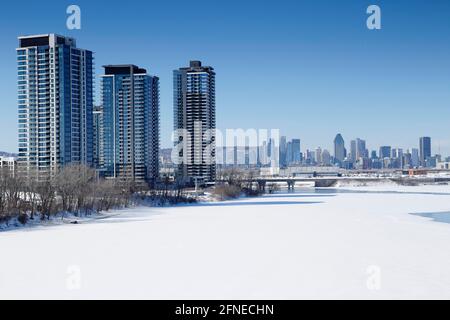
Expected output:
{"points": [[385, 152], [339, 148], [55, 98], [425, 150], [289, 156], [296, 151], [194, 91], [283, 152], [130, 123]]}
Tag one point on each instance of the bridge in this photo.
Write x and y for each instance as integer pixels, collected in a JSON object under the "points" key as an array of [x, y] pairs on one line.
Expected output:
{"points": [[327, 182]]}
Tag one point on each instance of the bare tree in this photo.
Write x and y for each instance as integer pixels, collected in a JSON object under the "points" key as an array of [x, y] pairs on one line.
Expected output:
{"points": [[74, 188], [31, 195], [3, 199], [46, 190]]}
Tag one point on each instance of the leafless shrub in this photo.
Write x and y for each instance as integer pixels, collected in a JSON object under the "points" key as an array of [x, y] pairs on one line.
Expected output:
{"points": [[235, 182], [226, 191], [273, 187]]}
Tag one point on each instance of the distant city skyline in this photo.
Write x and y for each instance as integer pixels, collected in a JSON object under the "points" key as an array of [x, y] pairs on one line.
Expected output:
{"points": [[369, 145], [314, 71], [355, 155]]}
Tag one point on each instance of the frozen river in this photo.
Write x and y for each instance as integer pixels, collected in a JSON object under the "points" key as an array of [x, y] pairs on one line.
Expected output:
{"points": [[362, 243]]}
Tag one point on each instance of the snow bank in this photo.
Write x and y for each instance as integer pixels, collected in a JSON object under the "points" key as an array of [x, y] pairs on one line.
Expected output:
{"points": [[356, 183], [55, 220]]}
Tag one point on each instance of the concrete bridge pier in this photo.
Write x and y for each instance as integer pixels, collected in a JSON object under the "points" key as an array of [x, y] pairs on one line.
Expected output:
{"points": [[291, 185]]}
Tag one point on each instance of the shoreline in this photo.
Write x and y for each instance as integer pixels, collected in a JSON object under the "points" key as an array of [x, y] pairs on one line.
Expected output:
{"points": [[73, 219]]}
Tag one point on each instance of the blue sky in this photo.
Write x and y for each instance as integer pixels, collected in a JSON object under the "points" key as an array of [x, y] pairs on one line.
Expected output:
{"points": [[310, 68]]}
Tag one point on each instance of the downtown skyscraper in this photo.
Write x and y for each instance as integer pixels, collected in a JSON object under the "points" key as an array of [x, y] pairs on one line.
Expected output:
{"points": [[130, 120], [385, 152], [283, 152], [339, 149], [55, 102], [425, 150], [194, 99], [296, 151]]}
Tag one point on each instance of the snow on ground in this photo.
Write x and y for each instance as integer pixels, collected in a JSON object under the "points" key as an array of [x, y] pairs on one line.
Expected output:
{"points": [[361, 242], [58, 219]]}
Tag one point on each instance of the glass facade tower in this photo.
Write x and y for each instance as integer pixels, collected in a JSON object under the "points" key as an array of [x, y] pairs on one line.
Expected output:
{"points": [[296, 151], [425, 150], [130, 100], [339, 149], [195, 122], [55, 101]]}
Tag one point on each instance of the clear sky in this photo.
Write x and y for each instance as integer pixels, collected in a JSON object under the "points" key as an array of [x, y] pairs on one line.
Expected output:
{"points": [[310, 68]]}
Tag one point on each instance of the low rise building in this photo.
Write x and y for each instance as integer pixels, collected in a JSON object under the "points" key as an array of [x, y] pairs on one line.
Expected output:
{"points": [[9, 163]]}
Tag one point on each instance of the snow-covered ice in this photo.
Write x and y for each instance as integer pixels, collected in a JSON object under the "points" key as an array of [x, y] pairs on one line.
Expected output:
{"points": [[361, 243]]}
